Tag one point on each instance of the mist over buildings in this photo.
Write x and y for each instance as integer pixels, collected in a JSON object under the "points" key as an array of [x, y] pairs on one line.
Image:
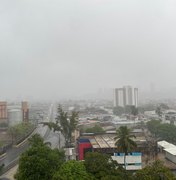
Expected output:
{"points": [[67, 49]]}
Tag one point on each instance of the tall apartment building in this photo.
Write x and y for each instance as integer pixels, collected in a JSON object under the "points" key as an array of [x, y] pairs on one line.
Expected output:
{"points": [[118, 97], [136, 97], [25, 111], [126, 96], [3, 112]]}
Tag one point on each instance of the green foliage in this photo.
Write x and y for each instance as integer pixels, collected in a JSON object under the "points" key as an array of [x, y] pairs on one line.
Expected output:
{"points": [[162, 131], [161, 107], [125, 110], [53, 126], [39, 161], [1, 143], [155, 171], [147, 107], [20, 130], [96, 129], [124, 140], [164, 106], [118, 111], [153, 126], [72, 170], [131, 110], [3, 125], [36, 140], [141, 109], [93, 110], [1, 168], [68, 124], [101, 166]]}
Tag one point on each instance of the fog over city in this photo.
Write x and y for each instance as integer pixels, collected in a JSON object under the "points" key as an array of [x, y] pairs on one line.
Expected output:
{"points": [[63, 48]]}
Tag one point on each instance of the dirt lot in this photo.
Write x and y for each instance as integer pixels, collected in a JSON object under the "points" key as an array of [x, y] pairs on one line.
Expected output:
{"points": [[161, 156]]}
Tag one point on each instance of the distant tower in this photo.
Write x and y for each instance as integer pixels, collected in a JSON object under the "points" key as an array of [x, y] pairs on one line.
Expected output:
{"points": [[3, 112], [118, 97], [136, 97], [126, 96], [25, 111]]}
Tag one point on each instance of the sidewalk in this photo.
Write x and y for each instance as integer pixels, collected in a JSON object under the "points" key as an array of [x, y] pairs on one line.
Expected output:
{"points": [[10, 174]]}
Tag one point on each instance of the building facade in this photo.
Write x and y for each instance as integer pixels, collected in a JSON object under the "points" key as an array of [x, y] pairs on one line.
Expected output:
{"points": [[3, 112], [119, 97], [126, 96], [25, 111], [133, 160]]}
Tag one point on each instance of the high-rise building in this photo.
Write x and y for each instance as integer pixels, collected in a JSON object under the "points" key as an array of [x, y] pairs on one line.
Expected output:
{"points": [[3, 110], [118, 97], [126, 96], [25, 111], [136, 97]]}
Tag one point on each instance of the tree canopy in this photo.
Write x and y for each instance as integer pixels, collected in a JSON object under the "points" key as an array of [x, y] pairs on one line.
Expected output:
{"points": [[118, 111], [125, 110], [101, 166], [72, 170], [154, 171], [39, 161], [95, 129], [162, 131], [124, 140], [19, 131]]}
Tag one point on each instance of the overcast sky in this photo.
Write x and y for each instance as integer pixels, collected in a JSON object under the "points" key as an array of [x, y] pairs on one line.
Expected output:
{"points": [[66, 48]]}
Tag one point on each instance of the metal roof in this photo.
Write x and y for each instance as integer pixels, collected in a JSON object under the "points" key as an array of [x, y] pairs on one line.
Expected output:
{"points": [[171, 150], [107, 141], [166, 145], [102, 141]]}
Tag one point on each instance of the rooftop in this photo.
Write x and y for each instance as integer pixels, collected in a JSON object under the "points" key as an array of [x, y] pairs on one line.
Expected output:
{"points": [[171, 150], [165, 145], [107, 140]]}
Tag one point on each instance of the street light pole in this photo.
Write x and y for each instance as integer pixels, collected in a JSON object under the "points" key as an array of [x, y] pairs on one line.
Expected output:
{"points": [[59, 140]]}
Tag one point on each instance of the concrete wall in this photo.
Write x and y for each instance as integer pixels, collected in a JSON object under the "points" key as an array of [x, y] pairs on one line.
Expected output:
{"points": [[133, 161], [171, 157]]}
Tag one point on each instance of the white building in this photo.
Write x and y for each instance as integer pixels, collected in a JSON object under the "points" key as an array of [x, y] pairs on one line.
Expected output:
{"points": [[126, 96], [133, 160], [136, 97], [119, 97], [169, 149]]}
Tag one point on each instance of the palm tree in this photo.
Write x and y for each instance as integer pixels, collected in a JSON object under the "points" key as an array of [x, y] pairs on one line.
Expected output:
{"points": [[124, 141], [65, 124]]}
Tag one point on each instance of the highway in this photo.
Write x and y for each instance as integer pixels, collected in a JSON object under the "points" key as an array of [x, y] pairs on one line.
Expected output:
{"points": [[49, 136]]}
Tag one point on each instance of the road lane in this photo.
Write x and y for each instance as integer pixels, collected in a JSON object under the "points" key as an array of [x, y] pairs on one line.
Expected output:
{"points": [[44, 131]]}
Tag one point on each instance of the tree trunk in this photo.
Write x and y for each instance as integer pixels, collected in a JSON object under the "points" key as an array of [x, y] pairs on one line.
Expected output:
{"points": [[125, 161]]}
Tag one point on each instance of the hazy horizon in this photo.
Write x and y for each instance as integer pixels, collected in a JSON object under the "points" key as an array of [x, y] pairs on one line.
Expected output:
{"points": [[63, 49]]}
